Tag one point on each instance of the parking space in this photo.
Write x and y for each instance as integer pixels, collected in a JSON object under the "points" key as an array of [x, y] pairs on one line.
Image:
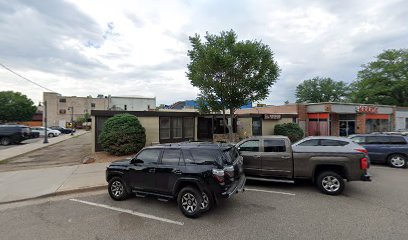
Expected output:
{"points": [[366, 210], [28, 141]]}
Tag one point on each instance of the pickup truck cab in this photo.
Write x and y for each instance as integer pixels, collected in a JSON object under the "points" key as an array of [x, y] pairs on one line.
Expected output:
{"points": [[326, 161]]}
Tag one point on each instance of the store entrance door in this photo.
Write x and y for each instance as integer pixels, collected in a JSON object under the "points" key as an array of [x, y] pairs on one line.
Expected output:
{"points": [[347, 127]]}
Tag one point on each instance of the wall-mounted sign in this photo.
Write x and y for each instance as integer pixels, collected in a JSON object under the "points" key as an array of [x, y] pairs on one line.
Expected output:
{"points": [[272, 116], [366, 109]]}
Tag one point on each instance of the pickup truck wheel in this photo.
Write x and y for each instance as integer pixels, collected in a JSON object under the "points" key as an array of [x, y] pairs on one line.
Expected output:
{"points": [[208, 202], [5, 141], [117, 189], [330, 183], [189, 201], [397, 161]]}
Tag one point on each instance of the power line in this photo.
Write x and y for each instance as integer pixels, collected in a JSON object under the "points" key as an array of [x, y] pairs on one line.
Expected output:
{"points": [[10, 70]]}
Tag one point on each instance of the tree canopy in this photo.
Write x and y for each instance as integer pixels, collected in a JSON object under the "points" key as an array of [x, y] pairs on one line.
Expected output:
{"points": [[385, 80], [15, 106], [321, 89], [231, 73]]}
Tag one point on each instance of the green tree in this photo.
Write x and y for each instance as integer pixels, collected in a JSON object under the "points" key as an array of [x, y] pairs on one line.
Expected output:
{"points": [[229, 72], [15, 106], [123, 134], [291, 130], [320, 89], [383, 81]]}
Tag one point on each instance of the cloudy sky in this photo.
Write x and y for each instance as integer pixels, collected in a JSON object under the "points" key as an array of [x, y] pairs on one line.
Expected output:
{"points": [[137, 47]]}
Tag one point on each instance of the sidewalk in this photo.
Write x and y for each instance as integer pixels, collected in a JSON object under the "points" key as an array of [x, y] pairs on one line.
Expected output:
{"points": [[29, 184], [26, 148]]}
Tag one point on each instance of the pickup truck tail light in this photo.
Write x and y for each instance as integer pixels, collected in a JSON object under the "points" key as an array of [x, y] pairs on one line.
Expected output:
{"points": [[362, 150], [218, 175], [364, 163]]}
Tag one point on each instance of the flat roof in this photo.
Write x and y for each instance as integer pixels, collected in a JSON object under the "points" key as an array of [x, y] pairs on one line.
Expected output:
{"points": [[340, 103]]}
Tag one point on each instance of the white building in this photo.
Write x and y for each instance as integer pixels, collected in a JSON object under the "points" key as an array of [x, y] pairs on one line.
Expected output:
{"points": [[401, 118], [131, 103]]}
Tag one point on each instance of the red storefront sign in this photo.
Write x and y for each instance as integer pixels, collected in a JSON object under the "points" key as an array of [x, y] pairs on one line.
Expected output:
{"points": [[366, 109]]}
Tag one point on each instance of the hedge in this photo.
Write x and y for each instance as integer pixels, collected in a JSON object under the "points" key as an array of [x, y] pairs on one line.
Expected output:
{"points": [[291, 130]]}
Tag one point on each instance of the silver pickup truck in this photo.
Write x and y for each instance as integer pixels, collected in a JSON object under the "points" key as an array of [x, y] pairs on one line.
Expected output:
{"points": [[327, 161]]}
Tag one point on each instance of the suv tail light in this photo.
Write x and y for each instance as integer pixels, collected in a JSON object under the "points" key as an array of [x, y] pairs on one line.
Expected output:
{"points": [[218, 175], [364, 163], [362, 150], [229, 171]]}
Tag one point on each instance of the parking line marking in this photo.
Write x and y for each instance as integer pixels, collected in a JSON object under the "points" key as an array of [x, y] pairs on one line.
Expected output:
{"points": [[128, 211], [268, 191]]}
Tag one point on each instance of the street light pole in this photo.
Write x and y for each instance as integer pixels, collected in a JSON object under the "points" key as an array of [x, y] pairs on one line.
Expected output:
{"points": [[72, 120], [45, 123]]}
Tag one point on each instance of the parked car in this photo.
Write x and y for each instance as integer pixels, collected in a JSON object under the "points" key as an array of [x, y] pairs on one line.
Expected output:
{"points": [[10, 134], [326, 161], [196, 174], [50, 132], [62, 129], [385, 148], [33, 135]]}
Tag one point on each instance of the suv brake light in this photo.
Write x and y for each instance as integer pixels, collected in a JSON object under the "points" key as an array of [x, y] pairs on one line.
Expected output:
{"points": [[218, 175], [364, 163], [362, 150]]}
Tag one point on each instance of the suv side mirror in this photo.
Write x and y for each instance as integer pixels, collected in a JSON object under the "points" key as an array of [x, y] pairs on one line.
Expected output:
{"points": [[136, 161]]}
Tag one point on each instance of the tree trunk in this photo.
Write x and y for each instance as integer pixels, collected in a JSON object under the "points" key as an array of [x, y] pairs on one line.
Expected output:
{"points": [[224, 118], [231, 127]]}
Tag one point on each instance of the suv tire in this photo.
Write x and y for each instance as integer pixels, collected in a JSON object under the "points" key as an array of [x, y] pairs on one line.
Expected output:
{"points": [[51, 135], [5, 141], [330, 183], [208, 201], [117, 189], [189, 201], [397, 161]]}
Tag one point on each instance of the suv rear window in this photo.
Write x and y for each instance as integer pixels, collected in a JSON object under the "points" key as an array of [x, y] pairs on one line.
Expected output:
{"points": [[204, 156], [397, 140], [312, 142], [330, 142], [377, 140]]}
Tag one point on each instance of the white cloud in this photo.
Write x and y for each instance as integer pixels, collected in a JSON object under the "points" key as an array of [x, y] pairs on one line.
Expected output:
{"points": [[140, 47]]}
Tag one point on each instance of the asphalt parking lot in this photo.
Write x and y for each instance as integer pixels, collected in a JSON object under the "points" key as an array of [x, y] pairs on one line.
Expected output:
{"points": [[28, 141], [366, 210]]}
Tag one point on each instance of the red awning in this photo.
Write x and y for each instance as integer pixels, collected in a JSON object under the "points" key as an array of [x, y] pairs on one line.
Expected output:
{"points": [[377, 116], [318, 115]]}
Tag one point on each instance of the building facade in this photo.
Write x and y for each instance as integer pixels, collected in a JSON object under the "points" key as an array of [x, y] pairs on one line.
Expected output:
{"points": [[61, 110], [401, 118]]}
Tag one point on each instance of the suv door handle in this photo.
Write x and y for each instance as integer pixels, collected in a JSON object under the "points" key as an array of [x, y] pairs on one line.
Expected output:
{"points": [[152, 170], [176, 171], [285, 157], [257, 156]]}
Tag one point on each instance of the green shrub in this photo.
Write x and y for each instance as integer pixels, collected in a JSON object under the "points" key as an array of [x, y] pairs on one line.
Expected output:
{"points": [[122, 134], [291, 130]]}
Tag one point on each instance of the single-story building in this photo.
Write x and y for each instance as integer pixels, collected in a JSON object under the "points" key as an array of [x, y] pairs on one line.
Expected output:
{"points": [[401, 118]]}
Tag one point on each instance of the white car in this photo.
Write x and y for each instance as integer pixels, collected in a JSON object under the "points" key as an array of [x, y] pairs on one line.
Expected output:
{"points": [[50, 132]]}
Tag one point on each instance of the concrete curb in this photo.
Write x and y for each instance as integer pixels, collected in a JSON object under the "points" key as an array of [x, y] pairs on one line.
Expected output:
{"points": [[44, 146], [60, 193]]}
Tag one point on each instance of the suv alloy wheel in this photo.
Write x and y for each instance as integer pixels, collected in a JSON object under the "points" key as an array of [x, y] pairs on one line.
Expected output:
{"points": [[189, 201], [51, 135], [5, 141], [208, 202], [397, 161], [330, 183], [117, 189]]}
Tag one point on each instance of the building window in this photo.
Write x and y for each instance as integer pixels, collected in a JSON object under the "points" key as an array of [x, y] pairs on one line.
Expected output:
{"points": [[92, 105], [189, 128], [377, 125], [125, 107], [62, 111], [63, 100], [177, 128], [256, 126], [164, 128]]}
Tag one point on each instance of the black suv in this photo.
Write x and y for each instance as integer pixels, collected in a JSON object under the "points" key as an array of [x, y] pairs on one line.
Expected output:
{"points": [[13, 134], [196, 174]]}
